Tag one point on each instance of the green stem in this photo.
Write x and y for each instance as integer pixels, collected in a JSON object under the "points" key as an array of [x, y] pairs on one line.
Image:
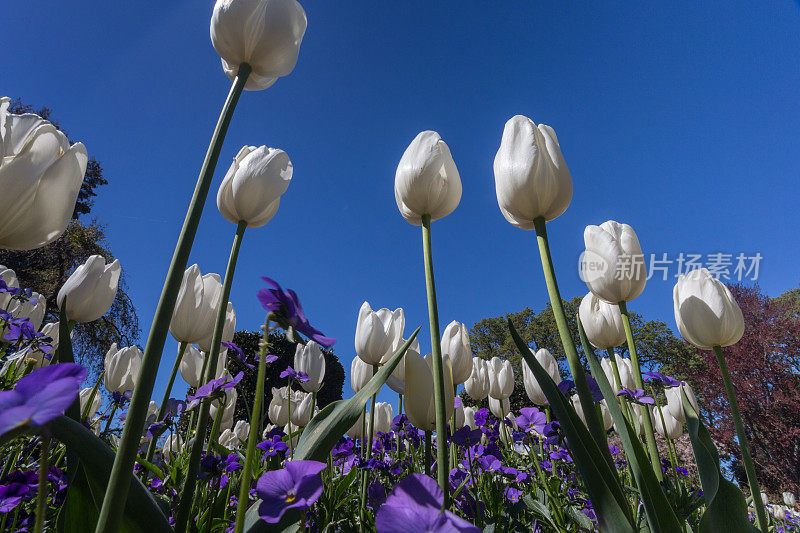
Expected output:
{"points": [[121, 473], [365, 478], [618, 381], [594, 424], [41, 496], [187, 496], [110, 419], [162, 410], [289, 418], [428, 453], [637, 379], [255, 417], [747, 460], [438, 374]]}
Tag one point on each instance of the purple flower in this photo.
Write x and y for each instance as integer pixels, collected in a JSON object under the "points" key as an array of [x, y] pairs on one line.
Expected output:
{"points": [[512, 494], [19, 328], [11, 495], [489, 463], [466, 436], [415, 506], [666, 380], [636, 396], [594, 388], [214, 388], [294, 375], [298, 485], [40, 396], [287, 305], [481, 416], [531, 419], [268, 358], [272, 446], [565, 386], [240, 356]]}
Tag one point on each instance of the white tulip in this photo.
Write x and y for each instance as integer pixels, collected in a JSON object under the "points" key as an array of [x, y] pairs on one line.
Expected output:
{"points": [[122, 368], [613, 264], [196, 307], [32, 308], [265, 34], [789, 499], [531, 177], [602, 322], [278, 410], [705, 311], [383, 417], [455, 343], [499, 408], [376, 332], [173, 445], [779, 512], [360, 374], [228, 329], [267, 429], [34, 353], [625, 369], [675, 403], [252, 188], [469, 417], [309, 358], [355, 430], [228, 439], [192, 366], [90, 290], [427, 180], [501, 378], [458, 413], [420, 405], [608, 419], [228, 410], [532, 387], [764, 498], [479, 382], [241, 430], [9, 277], [672, 428], [301, 409], [40, 176], [294, 432], [152, 410], [84, 396], [397, 380]]}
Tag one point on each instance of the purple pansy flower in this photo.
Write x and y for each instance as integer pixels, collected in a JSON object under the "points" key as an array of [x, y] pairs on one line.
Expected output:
{"points": [[240, 356], [40, 396], [268, 358], [272, 446], [466, 436], [594, 388], [415, 506], [287, 304], [298, 485], [11, 495], [214, 388], [636, 396], [565, 386], [294, 375], [666, 380], [513, 494], [531, 419]]}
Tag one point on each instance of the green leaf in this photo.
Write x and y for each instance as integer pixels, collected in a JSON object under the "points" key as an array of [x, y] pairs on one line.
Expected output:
{"points": [[323, 432], [601, 481], [142, 512], [726, 507], [660, 515]]}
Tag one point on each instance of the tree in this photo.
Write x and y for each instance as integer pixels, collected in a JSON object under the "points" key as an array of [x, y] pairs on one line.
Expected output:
{"points": [[765, 370], [278, 345], [45, 269], [656, 345]]}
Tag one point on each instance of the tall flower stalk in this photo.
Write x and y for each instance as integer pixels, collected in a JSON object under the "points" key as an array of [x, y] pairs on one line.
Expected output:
{"points": [[438, 376], [122, 470], [162, 410], [187, 496]]}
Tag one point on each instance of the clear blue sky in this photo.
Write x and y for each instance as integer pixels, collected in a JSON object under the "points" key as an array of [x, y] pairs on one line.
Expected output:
{"points": [[679, 119]]}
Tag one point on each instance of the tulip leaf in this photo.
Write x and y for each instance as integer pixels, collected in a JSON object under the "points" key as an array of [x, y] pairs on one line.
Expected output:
{"points": [[660, 514], [142, 512], [726, 507], [323, 432], [601, 481]]}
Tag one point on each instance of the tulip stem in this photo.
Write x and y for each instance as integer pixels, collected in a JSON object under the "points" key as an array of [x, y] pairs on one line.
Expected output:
{"points": [[647, 421], [612, 357], [187, 496], [255, 432], [747, 459], [428, 453], [162, 410], [41, 496], [368, 454], [438, 374], [578, 373], [121, 473]]}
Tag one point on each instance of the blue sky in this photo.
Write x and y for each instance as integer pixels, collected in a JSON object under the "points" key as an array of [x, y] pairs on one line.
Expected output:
{"points": [[680, 119]]}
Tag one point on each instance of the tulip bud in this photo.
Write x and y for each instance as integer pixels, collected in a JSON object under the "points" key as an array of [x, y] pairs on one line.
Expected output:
{"points": [[675, 402], [531, 177], [228, 409], [355, 430], [789, 499], [278, 410], [501, 378], [605, 413], [84, 396], [671, 428], [228, 439], [532, 387], [602, 322], [360, 374], [383, 417], [764, 498], [376, 332], [227, 330], [613, 265], [420, 403], [309, 358], [90, 290], [469, 417], [397, 381], [40, 176], [499, 408], [458, 414], [241, 430], [173, 445], [301, 410], [779, 513], [253, 186], [192, 366], [455, 343], [196, 307], [478, 383], [122, 368], [427, 180], [265, 34], [705, 311]]}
